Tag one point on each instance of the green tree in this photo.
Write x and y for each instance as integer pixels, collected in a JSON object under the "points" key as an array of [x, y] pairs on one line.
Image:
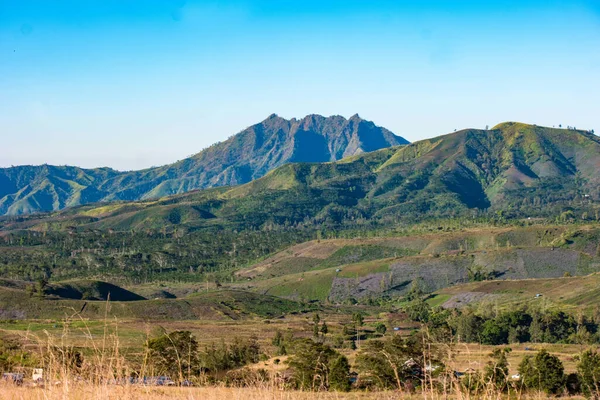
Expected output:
{"points": [[339, 372], [393, 362], [13, 355], [316, 319], [588, 368], [493, 333], [310, 365], [174, 354], [543, 372], [380, 328], [418, 310], [41, 286], [467, 326], [358, 319], [496, 371], [324, 329], [415, 291]]}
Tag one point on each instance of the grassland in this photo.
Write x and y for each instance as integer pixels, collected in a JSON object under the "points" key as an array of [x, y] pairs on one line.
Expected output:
{"points": [[573, 294], [80, 392], [216, 305], [339, 269]]}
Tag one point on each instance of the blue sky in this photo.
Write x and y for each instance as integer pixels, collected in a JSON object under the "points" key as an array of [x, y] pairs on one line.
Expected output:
{"points": [[130, 84]]}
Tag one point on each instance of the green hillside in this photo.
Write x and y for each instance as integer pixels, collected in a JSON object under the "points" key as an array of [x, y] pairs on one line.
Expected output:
{"points": [[248, 155], [340, 270], [17, 304], [575, 294], [513, 170]]}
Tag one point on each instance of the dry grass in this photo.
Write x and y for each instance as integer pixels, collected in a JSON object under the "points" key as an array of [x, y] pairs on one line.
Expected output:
{"points": [[106, 362], [82, 392]]}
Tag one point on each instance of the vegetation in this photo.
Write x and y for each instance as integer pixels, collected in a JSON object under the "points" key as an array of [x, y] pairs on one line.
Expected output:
{"points": [[370, 273], [543, 372], [248, 155]]}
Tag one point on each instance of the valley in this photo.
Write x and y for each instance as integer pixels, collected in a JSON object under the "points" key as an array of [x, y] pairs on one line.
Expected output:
{"points": [[461, 251]]}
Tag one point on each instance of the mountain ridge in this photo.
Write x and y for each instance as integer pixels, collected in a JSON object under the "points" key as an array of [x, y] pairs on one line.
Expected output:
{"points": [[517, 170], [242, 158]]}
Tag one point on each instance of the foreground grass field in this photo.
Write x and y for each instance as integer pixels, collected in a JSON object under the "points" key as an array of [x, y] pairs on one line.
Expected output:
{"points": [[81, 392], [133, 393]]}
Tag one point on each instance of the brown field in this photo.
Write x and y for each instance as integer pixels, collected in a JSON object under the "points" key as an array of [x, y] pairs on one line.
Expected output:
{"points": [[81, 392], [129, 336]]}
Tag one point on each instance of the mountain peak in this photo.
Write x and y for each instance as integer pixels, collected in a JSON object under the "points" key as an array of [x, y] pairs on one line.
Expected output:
{"points": [[243, 157]]}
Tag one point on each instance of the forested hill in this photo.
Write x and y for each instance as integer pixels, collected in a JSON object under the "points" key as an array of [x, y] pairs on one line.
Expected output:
{"points": [[246, 156], [512, 170]]}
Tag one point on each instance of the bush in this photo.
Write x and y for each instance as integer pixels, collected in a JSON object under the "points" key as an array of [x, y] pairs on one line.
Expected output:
{"points": [[339, 372], [496, 372], [588, 368], [173, 353], [311, 365], [544, 372]]}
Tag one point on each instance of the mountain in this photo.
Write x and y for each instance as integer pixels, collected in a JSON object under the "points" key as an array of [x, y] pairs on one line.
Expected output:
{"points": [[512, 170], [246, 156]]}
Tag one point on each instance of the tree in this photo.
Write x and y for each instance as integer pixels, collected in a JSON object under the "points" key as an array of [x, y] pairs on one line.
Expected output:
{"points": [[496, 371], [415, 292], [588, 368], [339, 372], [41, 286], [310, 365], [12, 355], [358, 319], [316, 319], [316, 330], [277, 339], [543, 372], [493, 333], [380, 328], [467, 327], [418, 310], [174, 354], [324, 329], [392, 363]]}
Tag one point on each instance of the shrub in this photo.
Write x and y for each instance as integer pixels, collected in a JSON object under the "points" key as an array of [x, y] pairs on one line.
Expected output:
{"points": [[544, 372], [173, 353], [339, 372], [310, 365], [588, 368]]}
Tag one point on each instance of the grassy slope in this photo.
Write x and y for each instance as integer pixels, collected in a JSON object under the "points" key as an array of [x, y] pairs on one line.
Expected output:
{"points": [[241, 158], [218, 305], [572, 293], [377, 266], [514, 165]]}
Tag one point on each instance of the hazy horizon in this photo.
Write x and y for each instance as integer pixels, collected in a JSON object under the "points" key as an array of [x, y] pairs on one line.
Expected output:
{"points": [[296, 117], [142, 83]]}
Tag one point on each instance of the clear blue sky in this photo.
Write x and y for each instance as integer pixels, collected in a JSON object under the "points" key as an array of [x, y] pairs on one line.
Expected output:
{"points": [[130, 84]]}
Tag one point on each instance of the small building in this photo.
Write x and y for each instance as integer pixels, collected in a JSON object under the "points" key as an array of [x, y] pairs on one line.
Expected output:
{"points": [[38, 375]]}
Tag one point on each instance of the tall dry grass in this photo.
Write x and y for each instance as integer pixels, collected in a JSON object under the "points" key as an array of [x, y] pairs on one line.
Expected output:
{"points": [[78, 391], [105, 372]]}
